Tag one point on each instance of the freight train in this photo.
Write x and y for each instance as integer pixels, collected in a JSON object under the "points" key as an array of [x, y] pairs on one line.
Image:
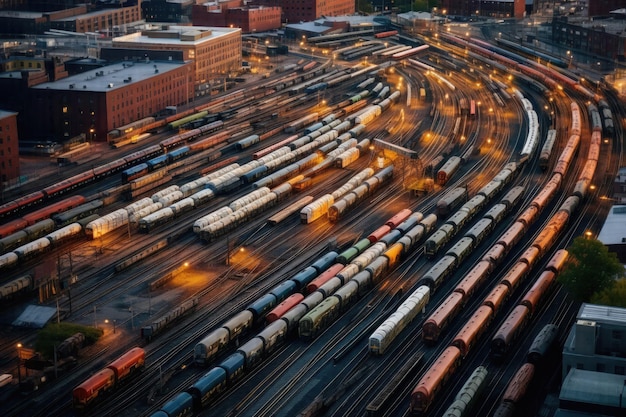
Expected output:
{"points": [[109, 378]]}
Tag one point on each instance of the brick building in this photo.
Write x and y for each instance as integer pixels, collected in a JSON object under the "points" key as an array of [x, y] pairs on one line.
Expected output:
{"points": [[600, 37], [234, 13], [98, 20], [500, 9], [308, 10], [97, 101], [9, 148], [173, 11], [214, 51]]}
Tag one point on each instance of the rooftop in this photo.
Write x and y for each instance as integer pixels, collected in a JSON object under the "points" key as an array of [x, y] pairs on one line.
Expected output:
{"points": [[4, 113], [87, 15], [614, 228], [176, 35], [593, 388], [111, 77], [602, 314]]}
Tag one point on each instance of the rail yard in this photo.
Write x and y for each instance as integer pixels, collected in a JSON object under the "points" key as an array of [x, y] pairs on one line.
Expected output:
{"points": [[268, 253]]}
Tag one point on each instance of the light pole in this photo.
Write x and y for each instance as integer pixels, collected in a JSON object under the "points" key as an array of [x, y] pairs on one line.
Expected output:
{"points": [[19, 359]]}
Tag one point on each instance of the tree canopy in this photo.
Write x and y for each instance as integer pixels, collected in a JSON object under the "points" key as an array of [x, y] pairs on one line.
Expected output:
{"points": [[613, 296], [590, 268]]}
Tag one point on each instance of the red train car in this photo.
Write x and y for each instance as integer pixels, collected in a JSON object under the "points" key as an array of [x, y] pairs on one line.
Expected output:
{"points": [[434, 379], [473, 329], [507, 333], [92, 388], [21, 203], [386, 34], [398, 218], [69, 184], [324, 277], [439, 319], [289, 303], [12, 227], [379, 233], [108, 378], [54, 208], [516, 390]]}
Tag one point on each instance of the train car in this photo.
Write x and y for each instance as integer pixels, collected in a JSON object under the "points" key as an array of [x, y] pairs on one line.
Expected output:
{"points": [[384, 335], [54, 208], [538, 291], [470, 333], [451, 201], [205, 389], [439, 272], [438, 240], [508, 332], [448, 169], [497, 297], [324, 277], [519, 384], [21, 203], [438, 321], [515, 275], [316, 320], [474, 278], [542, 344], [73, 215], [108, 378], [16, 287], [469, 394], [283, 307], [434, 379]]}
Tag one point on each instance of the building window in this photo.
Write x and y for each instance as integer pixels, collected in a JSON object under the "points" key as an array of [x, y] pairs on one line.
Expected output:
{"points": [[619, 370], [616, 334], [580, 366], [64, 109], [600, 367]]}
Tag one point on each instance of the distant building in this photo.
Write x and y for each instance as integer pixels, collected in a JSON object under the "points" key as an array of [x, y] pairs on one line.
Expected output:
{"points": [[9, 147], [215, 51], [619, 186], [604, 7], [497, 9], [308, 10], [600, 37], [594, 392], [80, 18], [171, 11], [235, 13], [333, 25], [103, 20], [613, 232], [97, 101], [597, 341]]}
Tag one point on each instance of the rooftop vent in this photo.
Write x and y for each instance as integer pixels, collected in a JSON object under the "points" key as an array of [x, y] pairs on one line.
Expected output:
{"points": [[110, 85]]}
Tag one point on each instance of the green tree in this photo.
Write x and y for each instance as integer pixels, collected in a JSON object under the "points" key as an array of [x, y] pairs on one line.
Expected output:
{"points": [[590, 268], [613, 296]]}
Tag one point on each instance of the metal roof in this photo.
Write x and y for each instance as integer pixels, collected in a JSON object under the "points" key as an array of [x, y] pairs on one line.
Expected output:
{"points": [[594, 388], [602, 314], [614, 228]]}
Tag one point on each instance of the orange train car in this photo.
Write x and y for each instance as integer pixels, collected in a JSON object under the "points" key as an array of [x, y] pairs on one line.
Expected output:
{"points": [[439, 319], [434, 379]]}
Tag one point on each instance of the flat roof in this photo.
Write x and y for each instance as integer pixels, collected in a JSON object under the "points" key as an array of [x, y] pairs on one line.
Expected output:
{"points": [[15, 14], [87, 15], [180, 35], [614, 228], [591, 387], [6, 113], [602, 314], [571, 413], [111, 77]]}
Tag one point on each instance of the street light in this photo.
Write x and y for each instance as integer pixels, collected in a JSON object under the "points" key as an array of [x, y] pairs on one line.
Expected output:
{"points": [[107, 322], [19, 359]]}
